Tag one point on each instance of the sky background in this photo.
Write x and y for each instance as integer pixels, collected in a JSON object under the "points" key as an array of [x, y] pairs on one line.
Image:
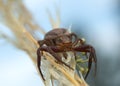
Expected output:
{"points": [[95, 20]]}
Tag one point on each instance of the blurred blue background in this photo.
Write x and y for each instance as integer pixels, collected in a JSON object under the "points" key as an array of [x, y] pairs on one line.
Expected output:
{"points": [[95, 20]]}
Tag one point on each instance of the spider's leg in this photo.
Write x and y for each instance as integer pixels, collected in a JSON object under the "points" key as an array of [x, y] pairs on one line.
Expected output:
{"points": [[39, 62], [92, 56], [75, 39], [89, 66]]}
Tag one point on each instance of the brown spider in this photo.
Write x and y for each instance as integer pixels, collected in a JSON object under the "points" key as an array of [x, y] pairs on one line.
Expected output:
{"points": [[60, 40]]}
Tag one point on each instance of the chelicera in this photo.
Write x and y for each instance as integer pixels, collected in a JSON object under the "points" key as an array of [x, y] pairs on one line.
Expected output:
{"points": [[59, 40]]}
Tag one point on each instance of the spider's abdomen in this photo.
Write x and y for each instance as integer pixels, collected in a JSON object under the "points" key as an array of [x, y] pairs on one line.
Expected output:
{"points": [[55, 33]]}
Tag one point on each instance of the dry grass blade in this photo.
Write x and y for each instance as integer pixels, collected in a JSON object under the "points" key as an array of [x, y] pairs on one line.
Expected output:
{"points": [[54, 22]]}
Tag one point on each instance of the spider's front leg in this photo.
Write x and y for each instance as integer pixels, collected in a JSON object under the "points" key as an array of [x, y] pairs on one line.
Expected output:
{"points": [[39, 62], [52, 50], [92, 55]]}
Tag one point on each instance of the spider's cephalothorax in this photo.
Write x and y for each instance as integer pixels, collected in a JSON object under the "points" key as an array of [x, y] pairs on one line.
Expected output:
{"points": [[59, 40]]}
